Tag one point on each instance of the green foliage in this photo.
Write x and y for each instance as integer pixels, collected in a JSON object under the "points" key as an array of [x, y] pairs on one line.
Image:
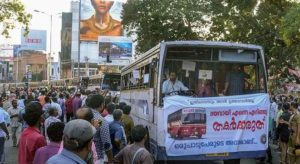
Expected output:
{"points": [[153, 21], [12, 11], [290, 26], [273, 24]]}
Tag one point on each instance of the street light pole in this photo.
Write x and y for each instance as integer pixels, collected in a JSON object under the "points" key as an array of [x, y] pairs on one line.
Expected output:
{"points": [[50, 53], [78, 62]]}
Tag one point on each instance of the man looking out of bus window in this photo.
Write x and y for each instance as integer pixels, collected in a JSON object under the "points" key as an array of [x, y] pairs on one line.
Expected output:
{"points": [[172, 84], [235, 81]]}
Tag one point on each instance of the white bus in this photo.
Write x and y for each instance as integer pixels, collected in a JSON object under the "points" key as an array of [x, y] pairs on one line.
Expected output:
{"points": [[204, 67]]}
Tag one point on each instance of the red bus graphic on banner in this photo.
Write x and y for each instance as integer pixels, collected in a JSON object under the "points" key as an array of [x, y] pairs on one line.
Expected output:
{"points": [[187, 123]]}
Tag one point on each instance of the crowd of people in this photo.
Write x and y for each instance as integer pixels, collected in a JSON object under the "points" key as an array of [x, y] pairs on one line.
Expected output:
{"points": [[70, 126], [285, 127]]}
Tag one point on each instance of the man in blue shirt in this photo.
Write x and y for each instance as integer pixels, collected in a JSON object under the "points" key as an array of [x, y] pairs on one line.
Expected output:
{"points": [[77, 140], [117, 132]]}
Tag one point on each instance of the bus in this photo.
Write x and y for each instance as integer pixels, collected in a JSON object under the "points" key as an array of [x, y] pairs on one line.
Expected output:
{"points": [[112, 83], [235, 124], [187, 122]]}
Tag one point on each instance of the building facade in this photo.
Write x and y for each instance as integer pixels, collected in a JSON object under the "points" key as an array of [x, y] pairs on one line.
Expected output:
{"points": [[36, 61]]}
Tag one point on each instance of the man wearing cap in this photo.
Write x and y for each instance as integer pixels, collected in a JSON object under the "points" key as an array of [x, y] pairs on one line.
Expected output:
{"points": [[31, 138], [77, 140]]}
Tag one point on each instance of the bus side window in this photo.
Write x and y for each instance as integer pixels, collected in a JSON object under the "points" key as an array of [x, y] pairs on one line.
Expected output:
{"points": [[146, 76], [152, 77]]}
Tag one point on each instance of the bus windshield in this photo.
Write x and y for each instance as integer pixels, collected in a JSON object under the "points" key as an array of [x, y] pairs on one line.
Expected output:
{"points": [[194, 118], [111, 82], [209, 71]]}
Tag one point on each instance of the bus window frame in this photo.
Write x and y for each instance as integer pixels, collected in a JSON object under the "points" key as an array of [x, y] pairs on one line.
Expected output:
{"points": [[163, 58]]}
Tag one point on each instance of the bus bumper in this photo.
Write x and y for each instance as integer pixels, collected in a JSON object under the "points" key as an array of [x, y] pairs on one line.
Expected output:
{"points": [[162, 156]]}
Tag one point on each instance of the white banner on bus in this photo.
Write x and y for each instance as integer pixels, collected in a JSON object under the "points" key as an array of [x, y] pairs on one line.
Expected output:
{"points": [[196, 126]]}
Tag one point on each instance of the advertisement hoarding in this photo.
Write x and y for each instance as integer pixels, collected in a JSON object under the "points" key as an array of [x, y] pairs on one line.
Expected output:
{"points": [[196, 126], [35, 40], [100, 18], [115, 47], [6, 52]]}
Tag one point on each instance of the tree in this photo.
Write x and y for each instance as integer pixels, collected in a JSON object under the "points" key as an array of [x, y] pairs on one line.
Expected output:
{"points": [[290, 32], [273, 24], [12, 11], [153, 21]]}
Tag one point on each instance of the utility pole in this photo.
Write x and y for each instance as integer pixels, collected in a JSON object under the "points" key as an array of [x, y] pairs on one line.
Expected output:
{"points": [[49, 67]]}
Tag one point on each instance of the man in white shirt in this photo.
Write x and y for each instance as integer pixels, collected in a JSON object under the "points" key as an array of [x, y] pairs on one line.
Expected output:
{"points": [[272, 117], [53, 113], [110, 109], [21, 103], [173, 84], [3, 133], [15, 124]]}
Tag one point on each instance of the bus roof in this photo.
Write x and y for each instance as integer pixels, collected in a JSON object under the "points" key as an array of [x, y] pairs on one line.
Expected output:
{"points": [[213, 44], [193, 43]]}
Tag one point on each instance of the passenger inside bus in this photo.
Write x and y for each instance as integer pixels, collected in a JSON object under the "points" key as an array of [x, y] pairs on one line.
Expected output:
{"points": [[235, 81], [221, 78], [214, 79], [206, 85], [173, 84]]}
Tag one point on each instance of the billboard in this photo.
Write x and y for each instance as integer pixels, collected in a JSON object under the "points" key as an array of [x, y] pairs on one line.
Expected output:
{"points": [[35, 40], [115, 47], [6, 52], [100, 18]]}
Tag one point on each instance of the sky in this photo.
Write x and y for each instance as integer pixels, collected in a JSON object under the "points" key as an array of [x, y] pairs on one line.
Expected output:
{"points": [[41, 21]]}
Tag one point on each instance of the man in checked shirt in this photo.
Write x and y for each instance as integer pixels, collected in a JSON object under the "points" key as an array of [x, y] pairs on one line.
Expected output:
{"points": [[102, 137]]}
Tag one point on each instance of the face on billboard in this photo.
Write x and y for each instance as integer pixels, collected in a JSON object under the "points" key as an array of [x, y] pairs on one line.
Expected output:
{"points": [[100, 18], [102, 7]]}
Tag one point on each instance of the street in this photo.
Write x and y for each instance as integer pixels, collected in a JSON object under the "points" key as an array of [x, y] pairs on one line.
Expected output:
{"points": [[11, 153], [11, 156]]}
